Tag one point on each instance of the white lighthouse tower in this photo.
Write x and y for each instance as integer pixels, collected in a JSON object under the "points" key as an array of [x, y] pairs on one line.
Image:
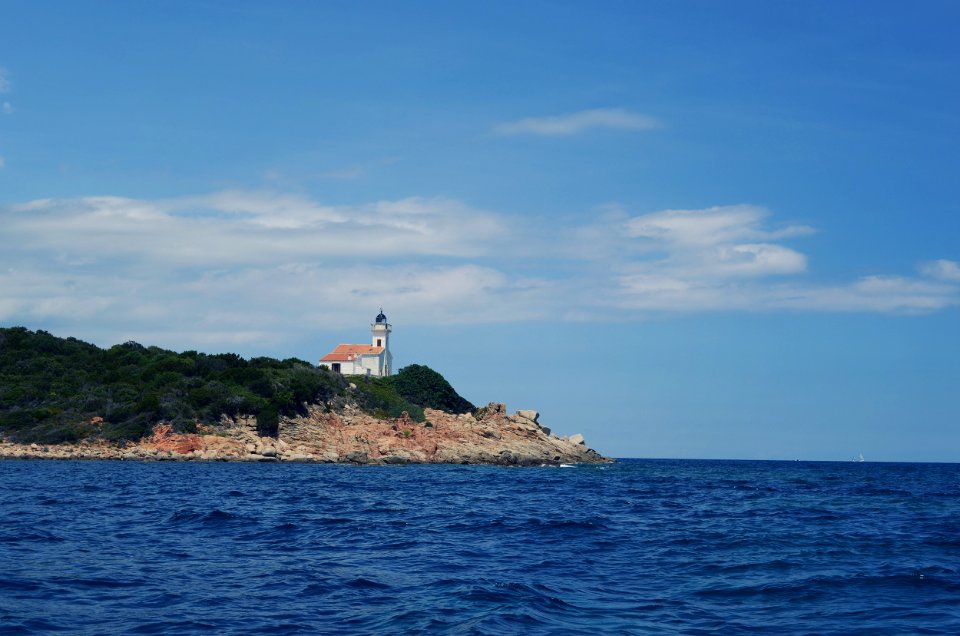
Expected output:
{"points": [[380, 337]]}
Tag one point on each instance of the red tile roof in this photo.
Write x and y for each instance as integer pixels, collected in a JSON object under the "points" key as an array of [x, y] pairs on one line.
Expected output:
{"points": [[337, 357], [345, 352]]}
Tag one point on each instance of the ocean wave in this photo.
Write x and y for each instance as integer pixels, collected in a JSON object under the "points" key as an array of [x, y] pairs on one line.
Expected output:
{"points": [[642, 547]]}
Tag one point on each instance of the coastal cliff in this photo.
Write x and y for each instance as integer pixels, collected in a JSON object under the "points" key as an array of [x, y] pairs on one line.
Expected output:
{"points": [[488, 436]]}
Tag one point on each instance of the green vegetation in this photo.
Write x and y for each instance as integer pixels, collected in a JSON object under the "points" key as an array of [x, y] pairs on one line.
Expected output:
{"points": [[424, 386], [379, 397], [52, 388], [414, 388]]}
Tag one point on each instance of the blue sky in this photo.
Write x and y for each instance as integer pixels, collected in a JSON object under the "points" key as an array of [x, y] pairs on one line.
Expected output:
{"points": [[689, 229]]}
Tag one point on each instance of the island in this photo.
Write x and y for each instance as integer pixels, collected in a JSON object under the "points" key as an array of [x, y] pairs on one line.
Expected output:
{"points": [[62, 398]]}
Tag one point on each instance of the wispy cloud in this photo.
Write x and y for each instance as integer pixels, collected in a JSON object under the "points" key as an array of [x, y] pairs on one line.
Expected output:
{"points": [[871, 294], [7, 108], [578, 122], [941, 269], [242, 227], [709, 226], [257, 263], [878, 294], [727, 258], [232, 266]]}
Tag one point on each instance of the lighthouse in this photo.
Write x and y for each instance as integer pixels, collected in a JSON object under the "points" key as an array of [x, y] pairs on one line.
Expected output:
{"points": [[373, 359], [380, 337]]}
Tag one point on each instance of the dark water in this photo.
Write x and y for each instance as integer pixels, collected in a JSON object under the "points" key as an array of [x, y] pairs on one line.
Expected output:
{"points": [[637, 547]]}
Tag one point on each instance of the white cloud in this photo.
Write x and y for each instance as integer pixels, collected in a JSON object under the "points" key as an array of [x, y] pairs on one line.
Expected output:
{"points": [[726, 258], [709, 226], [7, 108], [757, 259], [881, 294], [232, 228], [235, 267], [573, 123], [337, 295], [684, 256], [876, 294], [941, 269], [214, 266], [261, 305]]}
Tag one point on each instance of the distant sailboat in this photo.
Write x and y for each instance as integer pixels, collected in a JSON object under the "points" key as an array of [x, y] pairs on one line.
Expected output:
{"points": [[859, 458]]}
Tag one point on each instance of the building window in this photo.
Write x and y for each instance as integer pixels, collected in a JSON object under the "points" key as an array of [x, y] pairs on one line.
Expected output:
{"points": [[379, 341]]}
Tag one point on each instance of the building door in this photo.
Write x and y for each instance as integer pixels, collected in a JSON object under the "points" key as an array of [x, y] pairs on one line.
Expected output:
{"points": [[336, 367]]}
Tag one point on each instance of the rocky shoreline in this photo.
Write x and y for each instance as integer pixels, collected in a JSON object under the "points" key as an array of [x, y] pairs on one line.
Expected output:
{"points": [[346, 436]]}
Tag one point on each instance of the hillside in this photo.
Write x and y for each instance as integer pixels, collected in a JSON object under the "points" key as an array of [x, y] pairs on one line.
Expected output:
{"points": [[55, 390]]}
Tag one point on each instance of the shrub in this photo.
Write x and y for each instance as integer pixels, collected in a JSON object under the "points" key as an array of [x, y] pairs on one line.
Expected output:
{"points": [[425, 387], [379, 397]]}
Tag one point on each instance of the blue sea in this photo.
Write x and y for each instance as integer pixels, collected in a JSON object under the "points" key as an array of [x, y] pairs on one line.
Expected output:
{"points": [[636, 547]]}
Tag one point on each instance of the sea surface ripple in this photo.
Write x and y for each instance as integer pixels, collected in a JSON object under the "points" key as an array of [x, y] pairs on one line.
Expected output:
{"points": [[637, 547]]}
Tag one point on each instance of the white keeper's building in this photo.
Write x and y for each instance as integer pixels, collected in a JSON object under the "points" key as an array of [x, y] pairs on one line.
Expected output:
{"points": [[373, 359]]}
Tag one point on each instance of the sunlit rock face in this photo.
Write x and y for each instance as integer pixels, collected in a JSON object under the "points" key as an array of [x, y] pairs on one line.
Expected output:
{"points": [[348, 435]]}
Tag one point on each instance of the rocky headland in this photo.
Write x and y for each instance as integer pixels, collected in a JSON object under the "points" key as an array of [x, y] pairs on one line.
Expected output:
{"points": [[62, 398], [490, 435]]}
